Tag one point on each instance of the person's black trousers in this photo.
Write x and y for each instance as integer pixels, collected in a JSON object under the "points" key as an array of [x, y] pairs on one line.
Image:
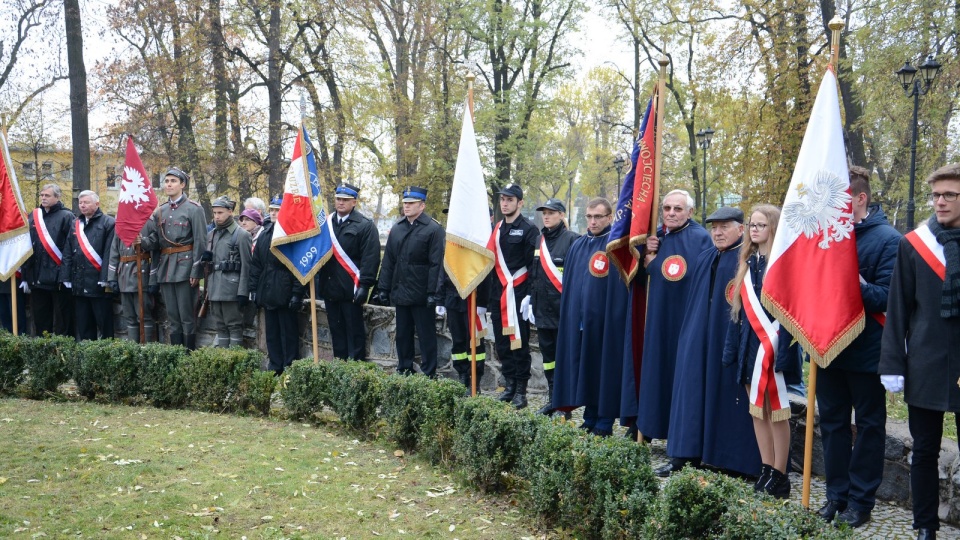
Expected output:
{"points": [[422, 319], [282, 327], [6, 311], [459, 324], [93, 316], [548, 350], [515, 363], [347, 330], [52, 311], [854, 469], [926, 428]]}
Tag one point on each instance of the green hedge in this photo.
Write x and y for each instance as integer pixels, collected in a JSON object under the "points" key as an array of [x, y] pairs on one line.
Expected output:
{"points": [[305, 388], [47, 361], [108, 368], [419, 414], [12, 363], [161, 375], [227, 380], [355, 393]]}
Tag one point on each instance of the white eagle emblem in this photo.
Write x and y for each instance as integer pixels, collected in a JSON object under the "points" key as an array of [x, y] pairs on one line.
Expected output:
{"points": [[821, 209], [133, 188]]}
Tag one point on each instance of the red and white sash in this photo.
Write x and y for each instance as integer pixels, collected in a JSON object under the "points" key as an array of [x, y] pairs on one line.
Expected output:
{"points": [[48, 244], [508, 301], [86, 247], [546, 261], [341, 255], [923, 240], [766, 382]]}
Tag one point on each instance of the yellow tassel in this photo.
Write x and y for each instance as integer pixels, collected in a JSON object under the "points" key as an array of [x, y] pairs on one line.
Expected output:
{"points": [[780, 415], [756, 411]]}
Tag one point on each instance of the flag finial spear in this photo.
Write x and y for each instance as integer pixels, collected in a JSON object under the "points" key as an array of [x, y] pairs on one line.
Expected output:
{"points": [[836, 24]]}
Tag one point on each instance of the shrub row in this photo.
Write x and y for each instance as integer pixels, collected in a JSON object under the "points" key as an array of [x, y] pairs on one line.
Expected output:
{"points": [[586, 486]]}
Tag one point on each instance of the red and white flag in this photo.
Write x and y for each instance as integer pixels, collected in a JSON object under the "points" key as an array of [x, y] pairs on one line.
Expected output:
{"points": [[137, 200], [812, 284], [15, 245]]}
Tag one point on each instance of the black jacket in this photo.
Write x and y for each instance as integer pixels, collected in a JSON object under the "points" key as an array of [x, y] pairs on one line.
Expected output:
{"points": [[40, 271], [360, 240], [83, 276], [877, 243], [412, 269], [518, 240], [273, 283], [545, 296]]}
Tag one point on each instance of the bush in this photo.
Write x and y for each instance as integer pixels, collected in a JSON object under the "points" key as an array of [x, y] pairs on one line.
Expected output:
{"points": [[162, 376], [356, 391], [597, 487], [764, 517], [691, 504], [305, 388], [47, 360], [257, 391], [222, 380], [108, 367], [489, 438], [419, 413], [11, 362]]}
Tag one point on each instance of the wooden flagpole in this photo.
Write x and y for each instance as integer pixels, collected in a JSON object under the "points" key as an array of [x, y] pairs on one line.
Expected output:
{"points": [[472, 304], [137, 252], [836, 25], [306, 176], [13, 302]]}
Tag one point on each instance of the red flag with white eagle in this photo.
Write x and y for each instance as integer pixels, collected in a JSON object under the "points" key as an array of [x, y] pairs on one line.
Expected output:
{"points": [[137, 200], [812, 282]]}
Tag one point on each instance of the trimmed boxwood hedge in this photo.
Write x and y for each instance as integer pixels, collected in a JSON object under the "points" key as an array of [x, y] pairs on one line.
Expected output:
{"points": [[585, 486]]}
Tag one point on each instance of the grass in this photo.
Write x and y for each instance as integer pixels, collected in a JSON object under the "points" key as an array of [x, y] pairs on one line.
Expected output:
{"points": [[86, 470]]}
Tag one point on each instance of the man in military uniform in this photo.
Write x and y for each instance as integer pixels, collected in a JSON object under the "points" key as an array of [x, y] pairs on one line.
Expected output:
{"points": [[122, 277], [514, 241], [410, 279], [547, 284], [344, 283], [87, 246], [182, 228], [46, 278], [228, 260]]}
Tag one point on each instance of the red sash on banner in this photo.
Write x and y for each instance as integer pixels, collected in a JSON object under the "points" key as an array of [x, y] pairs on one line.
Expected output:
{"points": [[766, 382], [48, 244], [546, 261], [341, 255], [508, 301], [929, 249], [86, 247]]}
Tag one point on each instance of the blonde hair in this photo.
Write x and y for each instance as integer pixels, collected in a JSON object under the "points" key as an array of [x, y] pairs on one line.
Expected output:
{"points": [[748, 249]]}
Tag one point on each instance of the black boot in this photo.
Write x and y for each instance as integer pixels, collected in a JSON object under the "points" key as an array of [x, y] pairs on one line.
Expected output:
{"points": [[547, 409], [764, 478], [519, 400], [465, 380], [176, 339], [509, 390], [190, 341], [779, 485]]}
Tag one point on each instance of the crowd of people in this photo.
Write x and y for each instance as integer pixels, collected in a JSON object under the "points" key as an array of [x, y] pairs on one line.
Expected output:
{"points": [[684, 354]]}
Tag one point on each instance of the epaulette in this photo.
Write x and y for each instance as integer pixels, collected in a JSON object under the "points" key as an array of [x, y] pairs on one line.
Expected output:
{"points": [[194, 202]]}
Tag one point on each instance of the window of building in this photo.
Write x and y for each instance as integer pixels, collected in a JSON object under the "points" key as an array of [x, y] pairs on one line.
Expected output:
{"points": [[111, 177]]}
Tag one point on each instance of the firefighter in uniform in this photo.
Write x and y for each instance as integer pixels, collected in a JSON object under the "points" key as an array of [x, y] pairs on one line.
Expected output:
{"points": [[122, 277], [345, 282], [515, 239], [228, 260], [182, 228], [410, 279], [546, 285], [50, 301], [87, 247]]}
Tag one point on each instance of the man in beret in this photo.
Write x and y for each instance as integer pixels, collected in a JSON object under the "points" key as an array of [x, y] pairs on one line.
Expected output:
{"points": [[228, 259], [344, 282]]}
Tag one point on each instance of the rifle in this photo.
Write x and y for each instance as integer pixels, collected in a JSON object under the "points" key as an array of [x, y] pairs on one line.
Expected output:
{"points": [[203, 302]]}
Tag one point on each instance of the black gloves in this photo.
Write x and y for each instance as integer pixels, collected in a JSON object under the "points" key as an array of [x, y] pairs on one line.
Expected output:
{"points": [[207, 256], [153, 289], [383, 298], [432, 301], [114, 286], [242, 300], [296, 303], [360, 296]]}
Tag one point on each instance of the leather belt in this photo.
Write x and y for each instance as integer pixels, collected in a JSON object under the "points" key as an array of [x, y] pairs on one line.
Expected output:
{"points": [[177, 249]]}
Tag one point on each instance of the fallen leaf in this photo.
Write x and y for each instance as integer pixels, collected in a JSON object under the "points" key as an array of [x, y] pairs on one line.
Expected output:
{"points": [[398, 453]]}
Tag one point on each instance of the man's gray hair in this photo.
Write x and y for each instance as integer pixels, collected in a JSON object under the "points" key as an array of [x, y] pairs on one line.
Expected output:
{"points": [[87, 193], [690, 203], [257, 204], [57, 192]]}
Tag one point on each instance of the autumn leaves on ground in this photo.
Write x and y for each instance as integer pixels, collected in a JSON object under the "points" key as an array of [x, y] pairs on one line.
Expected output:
{"points": [[82, 470]]}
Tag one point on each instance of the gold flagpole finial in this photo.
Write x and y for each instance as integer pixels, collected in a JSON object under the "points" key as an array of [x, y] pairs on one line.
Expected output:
{"points": [[836, 24]]}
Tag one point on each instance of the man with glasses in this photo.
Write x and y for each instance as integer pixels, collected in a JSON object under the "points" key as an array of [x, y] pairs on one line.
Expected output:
{"points": [[513, 242], [667, 257], [920, 350]]}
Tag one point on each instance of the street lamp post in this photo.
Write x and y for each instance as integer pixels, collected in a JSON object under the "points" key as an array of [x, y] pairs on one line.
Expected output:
{"points": [[618, 163], [913, 88], [704, 136]]}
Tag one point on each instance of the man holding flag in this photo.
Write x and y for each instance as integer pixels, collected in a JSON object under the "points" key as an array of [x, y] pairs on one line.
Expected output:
{"points": [[15, 246], [50, 300]]}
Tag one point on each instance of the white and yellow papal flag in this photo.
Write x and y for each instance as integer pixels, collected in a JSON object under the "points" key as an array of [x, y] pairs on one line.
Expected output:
{"points": [[467, 259]]}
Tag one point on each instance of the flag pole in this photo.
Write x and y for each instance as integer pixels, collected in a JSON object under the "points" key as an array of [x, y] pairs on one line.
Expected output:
{"points": [[836, 25], [306, 175], [13, 302], [137, 252], [472, 304]]}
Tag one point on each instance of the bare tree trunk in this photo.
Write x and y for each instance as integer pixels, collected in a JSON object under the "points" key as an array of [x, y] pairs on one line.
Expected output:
{"points": [[220, 87], [78, 99], [274, 99]]}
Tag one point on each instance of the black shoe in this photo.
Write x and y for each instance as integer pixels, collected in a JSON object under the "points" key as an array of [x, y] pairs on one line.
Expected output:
{"points": [[764, 478], [926, 534], [602, 432], [548, 409], [631, 433], [561, 414], [509, 389], [674, 466], [830, 510], [779, 485], [852, 517], [519, 400]]}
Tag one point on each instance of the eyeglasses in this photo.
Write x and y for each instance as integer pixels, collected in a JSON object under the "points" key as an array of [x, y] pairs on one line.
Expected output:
{"points": [[674, 208], [596, 217], [757, 226], [948, 196]]}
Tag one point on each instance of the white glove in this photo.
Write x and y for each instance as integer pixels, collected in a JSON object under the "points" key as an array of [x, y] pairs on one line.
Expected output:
{"points": [[893, 383], [481, 312], [441, 311], [530, 319], [526, 308], [25, 287], [68, 285]]}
